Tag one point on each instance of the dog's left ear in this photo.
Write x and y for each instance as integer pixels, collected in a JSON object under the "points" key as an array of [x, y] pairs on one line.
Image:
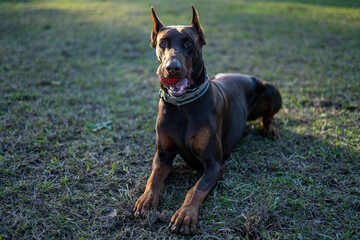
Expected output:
{"points": [[196, 24], [157, 25]]}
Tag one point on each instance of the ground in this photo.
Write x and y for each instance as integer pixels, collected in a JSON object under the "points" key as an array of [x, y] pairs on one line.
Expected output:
{"points": [[65, 67]]}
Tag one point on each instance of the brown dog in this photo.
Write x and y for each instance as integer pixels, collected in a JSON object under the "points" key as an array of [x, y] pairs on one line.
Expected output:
{"points": [[200, 119]]}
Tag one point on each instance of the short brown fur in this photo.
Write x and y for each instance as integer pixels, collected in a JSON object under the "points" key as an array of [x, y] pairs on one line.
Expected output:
{"points": [[201, 140], [205, 131]]}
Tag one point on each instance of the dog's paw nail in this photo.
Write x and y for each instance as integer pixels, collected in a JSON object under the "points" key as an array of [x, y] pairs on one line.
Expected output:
{"points": [[170, 224], [174, 228], [192, 230], [182, 230], [142, 212], [134, 210]]}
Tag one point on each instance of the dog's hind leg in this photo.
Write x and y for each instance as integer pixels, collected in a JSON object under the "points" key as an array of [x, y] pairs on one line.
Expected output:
{"points": [[265, 102]]}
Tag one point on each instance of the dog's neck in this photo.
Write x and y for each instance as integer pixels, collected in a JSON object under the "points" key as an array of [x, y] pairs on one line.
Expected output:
{"points": [[198, 73]]}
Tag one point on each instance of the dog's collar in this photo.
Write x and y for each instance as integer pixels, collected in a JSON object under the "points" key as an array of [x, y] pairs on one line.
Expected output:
{"points": [[190, 96]]}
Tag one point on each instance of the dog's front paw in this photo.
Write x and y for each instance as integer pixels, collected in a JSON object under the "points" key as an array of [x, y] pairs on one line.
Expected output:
{"points": [[149, 200], [184, 221]]}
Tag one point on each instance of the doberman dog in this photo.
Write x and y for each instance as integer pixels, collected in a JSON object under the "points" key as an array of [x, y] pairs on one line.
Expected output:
{"points": [[199, 118]]}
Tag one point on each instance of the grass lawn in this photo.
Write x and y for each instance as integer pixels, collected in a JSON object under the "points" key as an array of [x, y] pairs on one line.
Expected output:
{"points": [[67, 66]]}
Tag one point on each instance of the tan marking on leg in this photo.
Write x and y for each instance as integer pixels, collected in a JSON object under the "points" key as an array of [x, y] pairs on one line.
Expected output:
{"points": [[150, 198], [185, 219]]}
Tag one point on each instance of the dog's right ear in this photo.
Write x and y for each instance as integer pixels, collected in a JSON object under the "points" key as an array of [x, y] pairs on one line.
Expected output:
{"points": [[157, 25]]}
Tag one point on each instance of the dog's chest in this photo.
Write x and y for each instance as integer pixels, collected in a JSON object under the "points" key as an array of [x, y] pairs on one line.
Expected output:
{"points": [[182, 130], [189, 130]]}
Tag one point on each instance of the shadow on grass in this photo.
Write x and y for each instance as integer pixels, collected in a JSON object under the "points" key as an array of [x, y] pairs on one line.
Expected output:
{"points": [[299, 180], [268, 186]]}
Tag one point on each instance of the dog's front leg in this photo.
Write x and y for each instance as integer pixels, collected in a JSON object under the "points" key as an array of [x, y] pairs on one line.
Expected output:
{"points": [[185, 219], [161, 168]]}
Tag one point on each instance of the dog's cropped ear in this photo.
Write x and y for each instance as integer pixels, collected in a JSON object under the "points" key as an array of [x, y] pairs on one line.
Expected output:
{"points": [[157, 25], [196, 24]]}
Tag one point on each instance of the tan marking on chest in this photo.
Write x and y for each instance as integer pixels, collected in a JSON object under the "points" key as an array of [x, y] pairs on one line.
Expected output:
{"points": [[200, 140], [165, 142]]}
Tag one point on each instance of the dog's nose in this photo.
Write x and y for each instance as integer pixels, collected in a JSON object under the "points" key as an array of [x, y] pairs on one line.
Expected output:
{"points": [[173, 67]]}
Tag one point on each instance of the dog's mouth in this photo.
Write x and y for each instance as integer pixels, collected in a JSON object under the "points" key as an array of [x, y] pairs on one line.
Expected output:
{"points": [[176, 87]]}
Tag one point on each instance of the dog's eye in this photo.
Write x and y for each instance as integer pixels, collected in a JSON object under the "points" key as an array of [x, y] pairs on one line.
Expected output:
{"points": [[163, 43], [188, 43]]}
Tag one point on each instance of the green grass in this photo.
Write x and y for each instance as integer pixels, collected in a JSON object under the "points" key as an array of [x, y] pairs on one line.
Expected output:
{"points": [[64, 65]]}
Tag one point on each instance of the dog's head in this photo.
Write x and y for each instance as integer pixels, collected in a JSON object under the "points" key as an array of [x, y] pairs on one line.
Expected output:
{"points": [[178, 50]]}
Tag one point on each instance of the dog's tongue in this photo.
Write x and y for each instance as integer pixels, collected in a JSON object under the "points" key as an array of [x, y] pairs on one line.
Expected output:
{"points": [[178, 88]]}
